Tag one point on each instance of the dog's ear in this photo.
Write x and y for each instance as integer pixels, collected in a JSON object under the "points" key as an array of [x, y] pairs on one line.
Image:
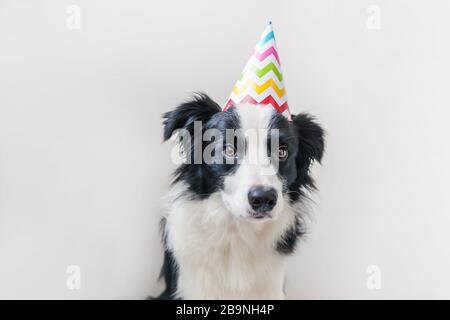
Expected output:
{"points": [[199, 108], [311, 145]]}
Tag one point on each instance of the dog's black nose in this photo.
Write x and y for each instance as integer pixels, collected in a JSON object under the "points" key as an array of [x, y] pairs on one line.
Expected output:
{"points": [[262, 198]]}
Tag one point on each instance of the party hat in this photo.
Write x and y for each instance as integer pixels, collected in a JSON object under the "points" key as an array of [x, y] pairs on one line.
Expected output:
{"points": [[261, 81]]}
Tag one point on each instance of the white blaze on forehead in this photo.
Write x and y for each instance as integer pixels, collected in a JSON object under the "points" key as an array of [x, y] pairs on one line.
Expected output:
{"points": [[255, 121], [254, 116]]}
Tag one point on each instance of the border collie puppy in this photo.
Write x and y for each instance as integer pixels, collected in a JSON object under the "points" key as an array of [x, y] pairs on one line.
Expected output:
{"points": [[230, 224]]}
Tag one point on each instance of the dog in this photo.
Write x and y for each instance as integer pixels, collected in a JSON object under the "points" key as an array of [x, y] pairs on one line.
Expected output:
{"points": [[229, 226]]}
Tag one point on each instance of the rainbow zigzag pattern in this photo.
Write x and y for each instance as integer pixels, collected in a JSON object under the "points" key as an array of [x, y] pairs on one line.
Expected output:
{"points": [[261, 81]]}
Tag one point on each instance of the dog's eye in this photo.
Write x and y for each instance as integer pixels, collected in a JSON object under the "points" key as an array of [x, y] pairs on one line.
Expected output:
{"points": [[283, 153], [230, 151]]}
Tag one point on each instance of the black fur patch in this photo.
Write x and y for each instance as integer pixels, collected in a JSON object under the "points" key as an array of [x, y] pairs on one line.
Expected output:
{"points": [[288, 241], [311, 144], [169, 270], [202, 179], [304, 139]]}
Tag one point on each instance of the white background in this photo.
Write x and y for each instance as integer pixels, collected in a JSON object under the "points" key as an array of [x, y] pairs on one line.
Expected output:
{"points": [[82, 166]]}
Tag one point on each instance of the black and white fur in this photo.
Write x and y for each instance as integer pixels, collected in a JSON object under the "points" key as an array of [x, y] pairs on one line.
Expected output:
{"points": [[215, 247]]}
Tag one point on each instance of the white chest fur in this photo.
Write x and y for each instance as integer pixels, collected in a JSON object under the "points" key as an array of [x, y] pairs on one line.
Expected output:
{"points": [[223, 257]]}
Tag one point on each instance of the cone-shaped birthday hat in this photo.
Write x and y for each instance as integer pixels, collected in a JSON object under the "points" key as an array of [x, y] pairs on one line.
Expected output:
{"points": [[261, 81]]}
